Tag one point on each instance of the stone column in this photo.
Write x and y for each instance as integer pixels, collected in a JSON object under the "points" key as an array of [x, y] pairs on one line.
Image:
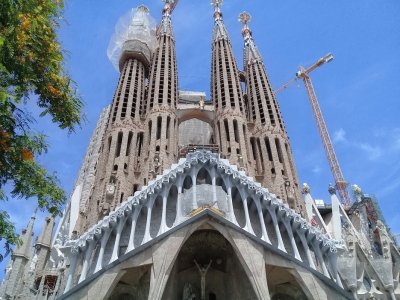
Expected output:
{"points": [[263, 228], [213, 182], [103, 243], [147, 236], [306, 249], [272, 213], [194, 176], [74, 257], [230, 204], [131, 243], [88, 254], [179, 214], [163, 226], [318, 253], [120, 227], [292, 241], [333, 263], [247, 227]]}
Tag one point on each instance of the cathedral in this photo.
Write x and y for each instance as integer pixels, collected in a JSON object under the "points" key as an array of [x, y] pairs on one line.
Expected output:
{"points": [[184, 197]]}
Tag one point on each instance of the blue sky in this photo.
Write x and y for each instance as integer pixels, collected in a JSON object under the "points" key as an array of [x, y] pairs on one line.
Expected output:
{"points": [[359, 91]]}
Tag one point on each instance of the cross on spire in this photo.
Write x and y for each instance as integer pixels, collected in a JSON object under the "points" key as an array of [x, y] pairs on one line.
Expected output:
{"points": [[217, 8], [169, 6], [245, 18]]}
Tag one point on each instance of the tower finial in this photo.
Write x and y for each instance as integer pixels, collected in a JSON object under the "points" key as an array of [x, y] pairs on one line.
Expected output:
{"points": [[143, 8], [169, 6], [217, 8], [245, 18]]}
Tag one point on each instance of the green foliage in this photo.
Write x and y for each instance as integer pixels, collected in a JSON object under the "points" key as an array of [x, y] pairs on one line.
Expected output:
{"points": [[31, 69], [7, 230]]}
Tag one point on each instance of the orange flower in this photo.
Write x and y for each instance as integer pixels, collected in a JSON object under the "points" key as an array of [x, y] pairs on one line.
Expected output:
{"points": [[27, 154], [53, 90], [5, 135], [25, 24]]}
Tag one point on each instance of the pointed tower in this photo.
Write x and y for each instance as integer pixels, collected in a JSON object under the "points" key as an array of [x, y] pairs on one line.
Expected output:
{"points": [[19, 260], [162, 97], [43, 244], [227, 95], [269, 143], [118, 172]]}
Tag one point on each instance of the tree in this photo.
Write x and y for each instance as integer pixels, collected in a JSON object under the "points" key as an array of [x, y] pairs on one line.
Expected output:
{"points": [[31, 69]]}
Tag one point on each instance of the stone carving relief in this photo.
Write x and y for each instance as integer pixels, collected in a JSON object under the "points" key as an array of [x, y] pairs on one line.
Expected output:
{"points": [[189, 292]]}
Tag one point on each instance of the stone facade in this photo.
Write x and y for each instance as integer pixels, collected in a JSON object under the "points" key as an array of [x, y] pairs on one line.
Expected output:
{"points": [[183, 198]]}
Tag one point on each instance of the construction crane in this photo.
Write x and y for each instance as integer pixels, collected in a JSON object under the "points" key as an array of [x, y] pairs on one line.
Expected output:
{"points": [[303, 74]]}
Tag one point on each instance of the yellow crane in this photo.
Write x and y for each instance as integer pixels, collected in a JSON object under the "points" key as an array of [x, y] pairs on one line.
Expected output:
{"points": [[303, 74]]}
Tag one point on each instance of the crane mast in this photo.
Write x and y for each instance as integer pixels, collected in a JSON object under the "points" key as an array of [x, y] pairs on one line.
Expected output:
{"points": [[340, 182]]}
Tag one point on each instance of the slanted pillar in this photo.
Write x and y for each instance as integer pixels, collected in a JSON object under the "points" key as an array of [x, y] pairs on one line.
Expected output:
{"points": [[306, 249], [88, 254], [131, 243], [103, 243], [193, 176], [74, 257], [147, 236], [163, 226], [318, 253], [247, 227], [232, 216], [292, 240], [272, 213], [263, 228], [332, 256], [121, 223], [179, 214], [213, 182]]}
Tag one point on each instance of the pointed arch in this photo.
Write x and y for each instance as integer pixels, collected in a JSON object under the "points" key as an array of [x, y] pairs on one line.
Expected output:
{"points": [[140, 226], [187, 182], [156, 212], [171, 205], [203, 177], [220, 182], [238, 207]]}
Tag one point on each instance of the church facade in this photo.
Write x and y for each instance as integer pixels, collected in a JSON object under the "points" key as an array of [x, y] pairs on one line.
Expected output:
{"points": [[183, 198]]}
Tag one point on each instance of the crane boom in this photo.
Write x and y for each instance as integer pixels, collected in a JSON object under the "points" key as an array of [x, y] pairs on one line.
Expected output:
{"points": [[303, 74], [340, 182]]}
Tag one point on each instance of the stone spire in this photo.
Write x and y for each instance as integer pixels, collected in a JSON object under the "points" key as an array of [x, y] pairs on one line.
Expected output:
{"points": [[272, 156], [227, 95], [19, 260], [162, 98], [165, 27], [43, 243], [25, 249], [220, 31], [118, 173]]}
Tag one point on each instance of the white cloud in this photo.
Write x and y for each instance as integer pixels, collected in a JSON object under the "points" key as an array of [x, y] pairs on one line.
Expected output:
{"points": [[339, 135], [396, 139], [373, 152], [316, 170]]}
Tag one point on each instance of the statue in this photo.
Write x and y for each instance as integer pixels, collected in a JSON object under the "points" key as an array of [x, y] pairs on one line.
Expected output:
{"points": [[306, 189], [203, 272], [34, 260], [56, 255], [8, 271], [201, 103], [188, 292], [110, 189]]}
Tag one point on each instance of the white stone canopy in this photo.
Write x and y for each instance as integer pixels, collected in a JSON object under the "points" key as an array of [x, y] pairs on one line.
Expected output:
{"points": [[199, 182]]}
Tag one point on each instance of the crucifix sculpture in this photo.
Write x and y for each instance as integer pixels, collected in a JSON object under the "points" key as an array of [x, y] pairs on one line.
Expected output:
{"points": [[203, 272]]}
